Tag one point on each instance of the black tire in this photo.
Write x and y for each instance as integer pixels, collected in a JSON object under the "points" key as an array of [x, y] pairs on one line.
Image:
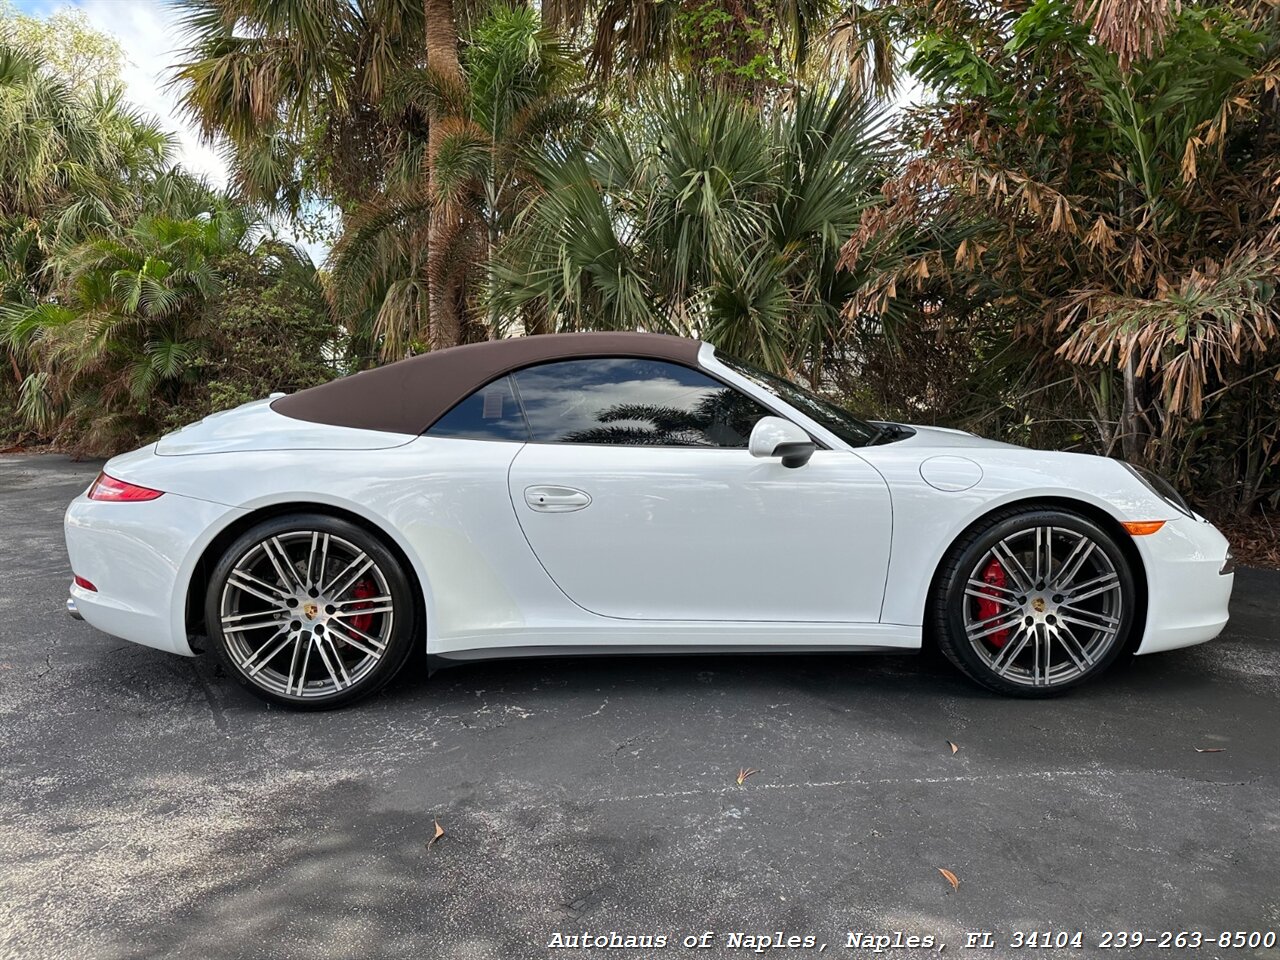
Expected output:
{"points": [[303, 621], [1044, 615]]}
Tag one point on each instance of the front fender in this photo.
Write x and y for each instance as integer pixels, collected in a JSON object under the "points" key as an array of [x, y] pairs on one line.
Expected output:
{"points": [[929, 520]]}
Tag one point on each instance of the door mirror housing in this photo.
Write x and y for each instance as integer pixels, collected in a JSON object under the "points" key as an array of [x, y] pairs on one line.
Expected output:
{"points": [[775, 437]]}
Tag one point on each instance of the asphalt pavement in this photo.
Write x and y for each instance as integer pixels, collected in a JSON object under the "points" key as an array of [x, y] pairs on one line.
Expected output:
{"points": [[150, 808]]}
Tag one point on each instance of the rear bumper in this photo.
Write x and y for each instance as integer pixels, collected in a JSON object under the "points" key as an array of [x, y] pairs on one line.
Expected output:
{"points": [[1189, 580], [140, 556]]}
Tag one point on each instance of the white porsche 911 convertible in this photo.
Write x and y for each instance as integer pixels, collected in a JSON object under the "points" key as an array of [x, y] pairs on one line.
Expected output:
{"points": [[624, 493]]}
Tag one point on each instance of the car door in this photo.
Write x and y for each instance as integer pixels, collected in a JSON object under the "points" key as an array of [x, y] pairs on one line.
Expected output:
{"points": [[640, 500]]}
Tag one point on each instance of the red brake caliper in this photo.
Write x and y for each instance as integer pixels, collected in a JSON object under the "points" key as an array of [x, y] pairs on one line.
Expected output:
{"points": [[363, 590], [993, 574]]}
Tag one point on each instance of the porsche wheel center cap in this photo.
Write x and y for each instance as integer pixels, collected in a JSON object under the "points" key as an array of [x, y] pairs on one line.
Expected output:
{"points": [[1038, 605], [310, 610]]}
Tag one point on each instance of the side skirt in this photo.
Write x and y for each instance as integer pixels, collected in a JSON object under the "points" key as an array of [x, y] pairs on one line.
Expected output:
{"points": [[671, 637], [440, 661]]}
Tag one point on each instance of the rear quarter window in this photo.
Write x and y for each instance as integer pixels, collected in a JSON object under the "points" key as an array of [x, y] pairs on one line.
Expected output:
{"points": [[491, 413]]}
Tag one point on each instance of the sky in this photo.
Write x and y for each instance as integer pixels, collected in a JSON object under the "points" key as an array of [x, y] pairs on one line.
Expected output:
{"points": [[151, 36]]}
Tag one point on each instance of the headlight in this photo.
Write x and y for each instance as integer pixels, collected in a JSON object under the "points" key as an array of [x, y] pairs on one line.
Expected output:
{"points": [[1161, 487]]}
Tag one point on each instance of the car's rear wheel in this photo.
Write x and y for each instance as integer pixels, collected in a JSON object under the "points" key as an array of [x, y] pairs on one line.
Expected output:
{"points": [[1035, 601], [310, 611]]}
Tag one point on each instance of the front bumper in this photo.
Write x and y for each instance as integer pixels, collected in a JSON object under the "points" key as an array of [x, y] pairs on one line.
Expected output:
{"points": [[140, 556], [1189, 570]]}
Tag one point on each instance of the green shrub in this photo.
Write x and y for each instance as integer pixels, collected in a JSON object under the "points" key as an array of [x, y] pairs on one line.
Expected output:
{"points": [[263, 334]]}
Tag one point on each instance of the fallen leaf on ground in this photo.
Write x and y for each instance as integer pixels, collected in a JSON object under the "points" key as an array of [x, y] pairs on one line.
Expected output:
{"points": [[951, 878], [1210, 749], [953, 747], [744, 772], [438, 834]]}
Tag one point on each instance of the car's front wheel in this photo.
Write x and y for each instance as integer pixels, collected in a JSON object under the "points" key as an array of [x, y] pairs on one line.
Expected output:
{"points": [[310, 611], [1035, 601]]}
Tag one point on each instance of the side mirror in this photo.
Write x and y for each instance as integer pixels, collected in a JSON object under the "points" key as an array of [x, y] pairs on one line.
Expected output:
{"points": [[775, 437]]}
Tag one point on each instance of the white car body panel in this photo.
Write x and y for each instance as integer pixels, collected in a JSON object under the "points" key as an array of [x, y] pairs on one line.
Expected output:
{"points": [[679, 547], [677, 533], [141, 556], [255, 426], [1186, 551]]}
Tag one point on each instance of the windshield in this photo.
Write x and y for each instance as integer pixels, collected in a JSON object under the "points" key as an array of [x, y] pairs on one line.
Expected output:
{"points": [[836, 419]]}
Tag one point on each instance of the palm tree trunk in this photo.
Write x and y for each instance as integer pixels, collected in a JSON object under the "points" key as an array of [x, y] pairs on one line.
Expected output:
{"points": [[492, 278], [444, 301], [1129, 439]]}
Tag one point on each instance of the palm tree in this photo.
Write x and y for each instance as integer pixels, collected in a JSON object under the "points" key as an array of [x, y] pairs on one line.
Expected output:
{"points": [[297, 91], [117, 339], [326, 100], [368, 104], [71, 162], [68, 162], [449, 223], [515, 100], [707, 216]]}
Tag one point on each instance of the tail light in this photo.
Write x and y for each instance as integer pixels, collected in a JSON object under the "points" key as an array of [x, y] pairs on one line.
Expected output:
{"points": [[83, 584], [117, 491]]}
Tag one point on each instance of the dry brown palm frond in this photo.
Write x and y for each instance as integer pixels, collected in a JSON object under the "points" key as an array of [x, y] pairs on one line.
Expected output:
{"points": [[402, 316], [1216, 317], [629, 36], [1131, 29], [1100, 236], [860, 45]]}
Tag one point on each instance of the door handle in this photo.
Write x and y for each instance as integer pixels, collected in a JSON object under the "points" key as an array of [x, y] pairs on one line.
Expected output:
{"points": [[553, 499]]}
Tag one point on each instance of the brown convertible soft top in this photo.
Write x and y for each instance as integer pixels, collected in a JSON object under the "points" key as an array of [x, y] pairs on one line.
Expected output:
{"points": [[410, 395]]}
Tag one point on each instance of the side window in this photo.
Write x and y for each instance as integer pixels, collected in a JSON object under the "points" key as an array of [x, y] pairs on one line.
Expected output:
{"points": [[491, 413], [633, 402]]}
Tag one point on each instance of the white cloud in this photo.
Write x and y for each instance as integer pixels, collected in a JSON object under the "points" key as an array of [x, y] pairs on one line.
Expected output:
{"points": [[152, 39]]}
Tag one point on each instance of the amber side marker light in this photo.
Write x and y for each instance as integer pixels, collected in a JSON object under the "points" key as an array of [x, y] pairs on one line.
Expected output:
{"points": [[111, 490], [1142, 528]]}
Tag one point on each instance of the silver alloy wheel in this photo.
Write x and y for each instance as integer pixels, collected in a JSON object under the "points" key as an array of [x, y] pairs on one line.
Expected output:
{"points": [[1057, 612], [306, 614]]}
